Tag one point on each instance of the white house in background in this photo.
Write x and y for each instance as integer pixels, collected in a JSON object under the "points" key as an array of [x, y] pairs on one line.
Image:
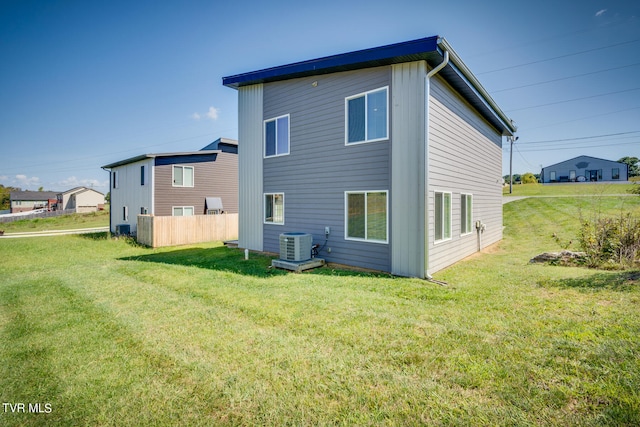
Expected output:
{"points": [[388, 156], [585, 169], [81, 199]]}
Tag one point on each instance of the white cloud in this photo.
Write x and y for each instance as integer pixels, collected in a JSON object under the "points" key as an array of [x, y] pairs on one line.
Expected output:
{"points": [[601, 12], [25, 181], [213, 113]]}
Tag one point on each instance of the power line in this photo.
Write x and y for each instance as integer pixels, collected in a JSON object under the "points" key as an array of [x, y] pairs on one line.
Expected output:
{"points": [[559, 57], [581, 118], [573, 147], [565, 78], [582, 137], [574, 99]]}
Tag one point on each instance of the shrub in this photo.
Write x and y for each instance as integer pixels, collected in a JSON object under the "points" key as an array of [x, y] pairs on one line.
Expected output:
{"points": [[611, 242]]}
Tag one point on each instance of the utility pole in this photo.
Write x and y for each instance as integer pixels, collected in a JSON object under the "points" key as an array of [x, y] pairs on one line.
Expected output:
{"points": [[512, 140]]}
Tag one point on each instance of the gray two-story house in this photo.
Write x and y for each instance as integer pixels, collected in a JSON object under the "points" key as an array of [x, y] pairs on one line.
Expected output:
{"points": [[390, 157], [174, 184]]}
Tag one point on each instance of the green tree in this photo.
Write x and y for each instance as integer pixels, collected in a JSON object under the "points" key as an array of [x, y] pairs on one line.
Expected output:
{"points": [[634, 166]]}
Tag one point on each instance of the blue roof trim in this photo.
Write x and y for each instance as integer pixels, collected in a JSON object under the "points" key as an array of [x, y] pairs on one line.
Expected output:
{"points": [[391, 54], [429, 49]]}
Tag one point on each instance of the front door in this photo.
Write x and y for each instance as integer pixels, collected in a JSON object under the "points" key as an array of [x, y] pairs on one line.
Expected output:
{"points": [[593, 175]]}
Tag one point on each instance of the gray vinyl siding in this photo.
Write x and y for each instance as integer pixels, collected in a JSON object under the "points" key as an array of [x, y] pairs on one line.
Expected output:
{"points": [[250, 167], [215, 175], [465, 156], [320, 168], [408, 170]]}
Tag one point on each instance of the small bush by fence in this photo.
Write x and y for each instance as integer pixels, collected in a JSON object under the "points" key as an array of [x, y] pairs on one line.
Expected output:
{"points": [[158, 231]]}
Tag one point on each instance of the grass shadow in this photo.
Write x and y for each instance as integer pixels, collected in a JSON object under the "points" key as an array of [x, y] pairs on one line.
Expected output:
{"points": [[232, 260], [102, 235], [615, 281], [219, 258]]}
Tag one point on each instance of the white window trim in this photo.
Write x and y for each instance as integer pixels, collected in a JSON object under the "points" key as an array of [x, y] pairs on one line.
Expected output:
{"points": [[264, 136], [346, 216], [264, 210], [446, 239], [366, 119], [470, 213], [173, 178], [183, 208]]}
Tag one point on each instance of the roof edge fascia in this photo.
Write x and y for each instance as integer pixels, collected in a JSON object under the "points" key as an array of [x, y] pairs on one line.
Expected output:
{"points": [[476, 85]]}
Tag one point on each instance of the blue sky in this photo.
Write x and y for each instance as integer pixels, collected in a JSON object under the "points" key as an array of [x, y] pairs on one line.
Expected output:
{"points": [[86, 83]]}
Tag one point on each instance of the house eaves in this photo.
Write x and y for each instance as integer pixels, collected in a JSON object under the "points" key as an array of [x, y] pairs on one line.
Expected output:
{"points": [[158, 155], [430, 49]]}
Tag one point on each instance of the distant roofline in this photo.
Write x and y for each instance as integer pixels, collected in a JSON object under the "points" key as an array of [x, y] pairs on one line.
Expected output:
{"points": [[155, 155], [429, 49]]}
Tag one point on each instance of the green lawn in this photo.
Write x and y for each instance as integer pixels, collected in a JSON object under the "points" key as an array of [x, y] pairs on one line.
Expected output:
{"points": [[63, 222], [109, 333], [568, 189]]}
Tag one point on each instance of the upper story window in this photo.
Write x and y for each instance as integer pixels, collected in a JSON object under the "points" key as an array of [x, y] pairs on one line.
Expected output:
{"points": [[276, 136], [142, 175], [183, 176], [114, 179], [367, 116]]}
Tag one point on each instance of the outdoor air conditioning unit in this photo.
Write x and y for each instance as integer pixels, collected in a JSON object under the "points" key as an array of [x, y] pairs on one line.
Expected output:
{"points": [[295, 246], [123, 229]]}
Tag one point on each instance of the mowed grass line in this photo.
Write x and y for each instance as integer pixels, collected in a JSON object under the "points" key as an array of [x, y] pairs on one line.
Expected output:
{"points": [[198, 336]]}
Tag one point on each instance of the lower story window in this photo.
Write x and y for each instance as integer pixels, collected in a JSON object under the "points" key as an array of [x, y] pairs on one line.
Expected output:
{"points": [[466, 213], [274, 208], [366, 216], [182, 210], [442, 216]]}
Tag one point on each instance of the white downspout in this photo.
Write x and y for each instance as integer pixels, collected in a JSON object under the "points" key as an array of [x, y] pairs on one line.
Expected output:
{"points": [[434, 71]]}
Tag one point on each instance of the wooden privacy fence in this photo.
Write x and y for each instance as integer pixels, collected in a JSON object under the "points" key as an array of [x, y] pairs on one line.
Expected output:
{"points": [[157, 231]]}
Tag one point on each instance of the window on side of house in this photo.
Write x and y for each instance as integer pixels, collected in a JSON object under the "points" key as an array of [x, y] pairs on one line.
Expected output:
{"points": [[276, 136], [183, 176], [466, 213], [367, 216], [182, 210], [552, 176], [142, 175], [572, 176], [599, 174], [274, 208], [367, 116], [114, 179], [442, 220], [615, 173], [125, 213]]}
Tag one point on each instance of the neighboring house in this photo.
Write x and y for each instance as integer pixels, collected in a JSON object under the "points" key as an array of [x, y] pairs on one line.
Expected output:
{"points": [[81, 200], [22, 201], [394, 156], [168, 184], [585, 169]]}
